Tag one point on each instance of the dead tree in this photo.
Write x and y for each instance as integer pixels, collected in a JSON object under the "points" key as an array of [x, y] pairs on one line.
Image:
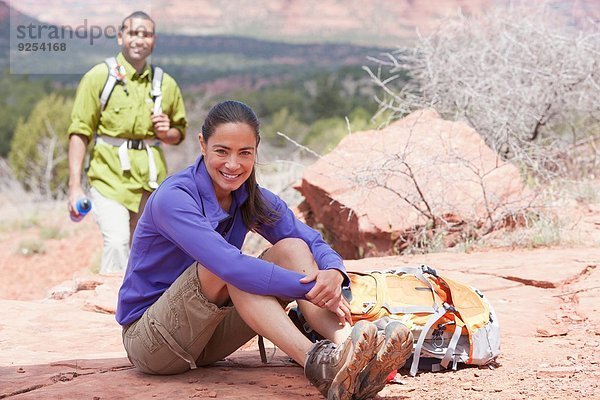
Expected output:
{"points": [[523, 77]]}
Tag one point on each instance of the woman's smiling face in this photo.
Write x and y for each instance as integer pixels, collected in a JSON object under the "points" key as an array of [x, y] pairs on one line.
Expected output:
{"points": [[229, 156]]}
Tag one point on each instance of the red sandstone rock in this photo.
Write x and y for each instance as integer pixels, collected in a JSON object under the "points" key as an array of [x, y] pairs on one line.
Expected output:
{"points": [[372, 191]]}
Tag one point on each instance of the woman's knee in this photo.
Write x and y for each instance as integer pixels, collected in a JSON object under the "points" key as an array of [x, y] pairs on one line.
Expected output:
{"points": [[291, 253], [291, 246]]}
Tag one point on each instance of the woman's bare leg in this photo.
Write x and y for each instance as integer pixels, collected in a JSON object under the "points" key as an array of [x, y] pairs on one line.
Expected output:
{"points": [[267, 318], [294, 254], [263, 314], [333, 370]]}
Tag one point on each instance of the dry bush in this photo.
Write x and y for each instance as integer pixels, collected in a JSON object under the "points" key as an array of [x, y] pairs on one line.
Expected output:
{"points": [[524, 77], [10, 187], [527, 80]]}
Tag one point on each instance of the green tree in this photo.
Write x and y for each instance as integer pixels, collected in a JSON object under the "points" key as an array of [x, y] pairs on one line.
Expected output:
{"points": [[19, 94], [330, 99], [38, 154], [285, 122], [326, 133]]}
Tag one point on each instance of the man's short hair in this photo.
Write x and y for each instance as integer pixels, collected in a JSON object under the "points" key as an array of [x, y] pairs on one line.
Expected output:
{"points": [[137, 14]]}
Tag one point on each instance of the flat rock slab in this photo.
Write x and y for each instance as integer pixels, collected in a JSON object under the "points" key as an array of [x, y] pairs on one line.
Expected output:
{"points": [[115, 378], [546, 268], [550, 341], [43, 332]]}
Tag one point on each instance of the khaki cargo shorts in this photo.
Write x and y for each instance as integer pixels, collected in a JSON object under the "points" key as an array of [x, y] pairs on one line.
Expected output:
{"points": [[182, 330]]}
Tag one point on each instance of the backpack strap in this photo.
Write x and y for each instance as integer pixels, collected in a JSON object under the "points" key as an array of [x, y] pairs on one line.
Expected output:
{"points": [[419, 272], [417, 352], [437, 311], [262, 350], [110, 83], [451, 347], [156, 93]]}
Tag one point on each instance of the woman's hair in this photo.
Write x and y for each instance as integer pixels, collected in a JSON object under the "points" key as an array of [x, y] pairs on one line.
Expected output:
{"points": [[255, 211]]}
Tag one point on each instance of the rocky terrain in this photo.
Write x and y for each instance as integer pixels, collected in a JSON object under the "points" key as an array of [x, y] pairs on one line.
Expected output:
{"points": [[59, 339]]}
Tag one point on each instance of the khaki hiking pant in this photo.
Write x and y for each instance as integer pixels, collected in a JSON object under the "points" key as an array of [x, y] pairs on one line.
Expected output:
{"points": [[183, 330]]}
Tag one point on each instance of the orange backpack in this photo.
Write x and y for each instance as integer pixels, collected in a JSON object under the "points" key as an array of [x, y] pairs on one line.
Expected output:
{"points": [[450, 321]]}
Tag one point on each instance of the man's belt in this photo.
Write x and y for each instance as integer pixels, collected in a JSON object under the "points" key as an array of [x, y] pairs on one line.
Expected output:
{"points": [[133, 144]]}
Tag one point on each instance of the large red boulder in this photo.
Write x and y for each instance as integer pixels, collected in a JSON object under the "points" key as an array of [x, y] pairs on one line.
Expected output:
{"points": [[420, 179]]}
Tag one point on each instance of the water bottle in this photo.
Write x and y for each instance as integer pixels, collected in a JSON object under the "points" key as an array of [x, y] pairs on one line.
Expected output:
{"points": [[83, 205]]}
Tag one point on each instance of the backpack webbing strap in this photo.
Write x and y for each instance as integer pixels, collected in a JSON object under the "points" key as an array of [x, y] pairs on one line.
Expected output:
{"points": [[409, 309], [451, 347], [112, 79], [110, 83], [123, 146], [419, 273], [157, 77], [441, 311], [261, 349], [152, 171]]}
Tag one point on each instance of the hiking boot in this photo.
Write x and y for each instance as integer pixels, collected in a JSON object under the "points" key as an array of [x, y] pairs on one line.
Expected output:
{"points": [[396, 344], [334, 369]]}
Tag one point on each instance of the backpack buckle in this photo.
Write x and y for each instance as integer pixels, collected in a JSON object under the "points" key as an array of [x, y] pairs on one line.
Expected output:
{"points": [[428, 270], [135, 144], [449, 307], [367, 306], [437, 338]]}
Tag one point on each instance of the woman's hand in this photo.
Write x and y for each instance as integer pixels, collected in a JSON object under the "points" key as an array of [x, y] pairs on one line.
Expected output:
{"points": [[327, 292], [341, 308]]}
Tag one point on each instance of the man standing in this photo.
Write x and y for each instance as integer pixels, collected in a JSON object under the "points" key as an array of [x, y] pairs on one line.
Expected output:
{"points": [[118, 108]]}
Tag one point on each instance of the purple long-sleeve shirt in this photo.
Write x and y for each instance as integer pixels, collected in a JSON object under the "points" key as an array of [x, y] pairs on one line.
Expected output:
{"points": [[183, 223]]}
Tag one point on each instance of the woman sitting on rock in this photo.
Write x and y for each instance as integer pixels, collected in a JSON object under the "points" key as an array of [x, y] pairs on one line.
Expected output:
{"points": [[190, 297]]}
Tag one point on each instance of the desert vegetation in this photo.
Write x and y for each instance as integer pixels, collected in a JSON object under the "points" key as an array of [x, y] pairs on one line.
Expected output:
{"points": [[525, 78]]}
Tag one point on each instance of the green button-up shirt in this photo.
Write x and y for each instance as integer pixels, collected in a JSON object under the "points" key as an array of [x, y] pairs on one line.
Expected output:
{"points": [[128, 115]]}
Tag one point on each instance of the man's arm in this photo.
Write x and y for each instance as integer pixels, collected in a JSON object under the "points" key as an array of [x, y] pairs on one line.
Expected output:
{"points": [[77, 149]]}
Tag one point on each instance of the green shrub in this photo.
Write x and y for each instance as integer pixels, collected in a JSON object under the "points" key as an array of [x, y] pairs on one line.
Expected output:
{"points": [[285, 122], [326, 133], [19, 95], [38, 154]]}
